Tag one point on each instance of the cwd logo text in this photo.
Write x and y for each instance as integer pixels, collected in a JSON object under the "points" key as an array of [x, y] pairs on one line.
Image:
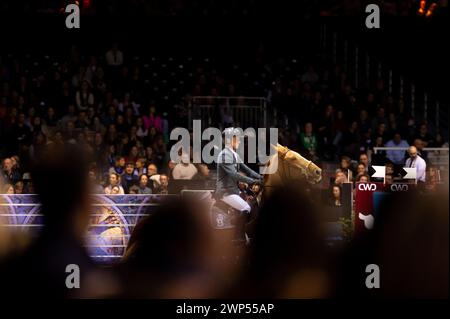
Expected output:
{"points": [[367, 187], [399, 187]]}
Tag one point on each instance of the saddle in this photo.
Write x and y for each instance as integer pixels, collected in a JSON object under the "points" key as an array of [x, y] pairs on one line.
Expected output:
{"points": [[223, 216]]}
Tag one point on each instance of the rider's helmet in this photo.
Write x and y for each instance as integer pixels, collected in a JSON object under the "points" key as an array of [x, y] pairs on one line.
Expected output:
{"points": [[229, 132]]}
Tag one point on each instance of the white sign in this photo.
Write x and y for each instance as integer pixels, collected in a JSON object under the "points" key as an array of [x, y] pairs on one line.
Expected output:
{"points": [[380, 171], [411, 172]]}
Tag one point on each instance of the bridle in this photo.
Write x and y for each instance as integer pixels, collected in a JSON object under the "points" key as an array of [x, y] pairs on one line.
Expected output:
{"points": [[282, 169]]}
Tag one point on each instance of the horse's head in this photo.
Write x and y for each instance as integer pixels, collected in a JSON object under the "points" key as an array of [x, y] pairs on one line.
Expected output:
{"points": [[311, 171]]}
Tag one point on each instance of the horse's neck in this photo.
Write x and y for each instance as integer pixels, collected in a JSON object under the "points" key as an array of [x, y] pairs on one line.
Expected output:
{"points": [[276, 178]]}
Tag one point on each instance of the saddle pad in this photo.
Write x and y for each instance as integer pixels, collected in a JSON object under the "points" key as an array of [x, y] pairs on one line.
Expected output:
{"points": [[221, 219]]}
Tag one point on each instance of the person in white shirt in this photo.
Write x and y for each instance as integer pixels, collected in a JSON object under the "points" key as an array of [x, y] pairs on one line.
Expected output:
{"points": [[184, 170], [418, 162]]}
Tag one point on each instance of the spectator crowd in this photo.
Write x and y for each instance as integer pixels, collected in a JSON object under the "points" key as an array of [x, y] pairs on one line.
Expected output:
{"points": [[105, 103]]}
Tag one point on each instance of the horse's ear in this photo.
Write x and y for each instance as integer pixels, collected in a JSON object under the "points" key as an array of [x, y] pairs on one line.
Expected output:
{"points": [[281, 148]]}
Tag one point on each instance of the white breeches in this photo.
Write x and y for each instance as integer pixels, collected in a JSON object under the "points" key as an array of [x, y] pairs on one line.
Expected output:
{"points": [[236, 202]]}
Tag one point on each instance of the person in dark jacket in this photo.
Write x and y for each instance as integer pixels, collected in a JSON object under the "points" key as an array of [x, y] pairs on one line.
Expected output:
{"points": [[228, 166]]}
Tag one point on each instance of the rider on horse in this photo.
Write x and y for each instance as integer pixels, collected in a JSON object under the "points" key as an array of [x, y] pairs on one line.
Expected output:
{"points": [[228, 166]]}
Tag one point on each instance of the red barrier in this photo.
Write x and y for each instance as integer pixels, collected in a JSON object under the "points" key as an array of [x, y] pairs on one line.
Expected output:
{"points": [[364, 203]]}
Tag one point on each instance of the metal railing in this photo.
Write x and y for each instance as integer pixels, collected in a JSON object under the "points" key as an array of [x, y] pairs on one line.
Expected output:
{"points": [[113, 218], [437, 156], [221, 111]]}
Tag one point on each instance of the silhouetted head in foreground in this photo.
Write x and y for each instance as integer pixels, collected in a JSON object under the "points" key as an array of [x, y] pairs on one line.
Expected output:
{"points": [[61, 182], [409, 244], [166, 250], [60, 178], [287, 256]]}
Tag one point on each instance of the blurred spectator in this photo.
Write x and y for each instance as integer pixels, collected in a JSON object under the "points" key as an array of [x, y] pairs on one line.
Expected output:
{"points": [[133, 154], [381, 132], [308, 142], [379, 119], [257, 191], [336, 196], [366, 140], [438, 141], [114, 180], [96, 188], [390, 168], [424, 136], [378, 158], [114, 57], [340, 177], [8, 189], [389, 179], [364, 159], [18, 187], [134, 190], [350, 140], [143, 185], [361, 169], [202, 172], [10, 175], [162, 187], [51, 119], [84, 98], [140, 167], [277, 270], [152, 120], [423, 266], [128, 179], [364, 122], [348, 166], [362, 178], [325, 132], [82, 121], [152, 169], [172, 248], [310, 76], [419, 144], [160, 149], [20, 133], [396, 157], [41, 270], [184, 170], [119, 165], [116, 190], [170, 166]]}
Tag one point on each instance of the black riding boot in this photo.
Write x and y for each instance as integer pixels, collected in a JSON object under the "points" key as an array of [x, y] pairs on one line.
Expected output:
{"points": [[241, 221]]}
